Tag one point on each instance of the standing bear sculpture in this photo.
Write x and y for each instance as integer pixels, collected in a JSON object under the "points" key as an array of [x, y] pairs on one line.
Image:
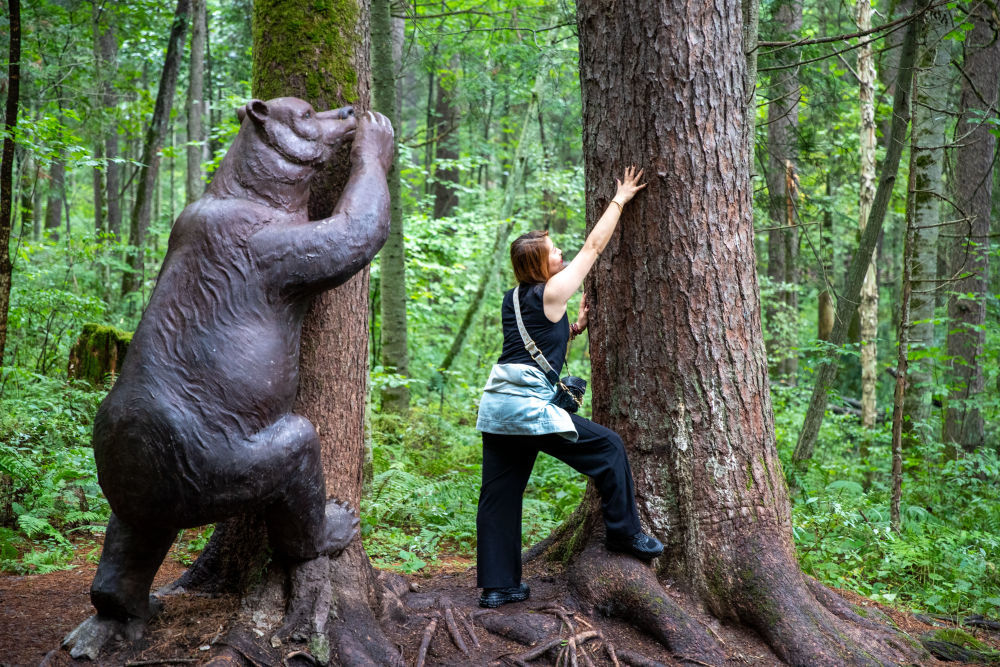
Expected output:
{"points": [[199, 426]]}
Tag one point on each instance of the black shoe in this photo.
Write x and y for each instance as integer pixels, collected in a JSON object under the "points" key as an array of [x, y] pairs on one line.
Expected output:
{"points": [[640, 545], [495, 597]]}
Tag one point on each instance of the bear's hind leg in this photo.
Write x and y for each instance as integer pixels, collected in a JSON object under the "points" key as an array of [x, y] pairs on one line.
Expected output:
{"points": [[120, 592], [301, 523]]}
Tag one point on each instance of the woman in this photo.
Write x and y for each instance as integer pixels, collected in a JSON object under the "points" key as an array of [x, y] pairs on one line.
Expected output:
{"points": [[518, 419]]}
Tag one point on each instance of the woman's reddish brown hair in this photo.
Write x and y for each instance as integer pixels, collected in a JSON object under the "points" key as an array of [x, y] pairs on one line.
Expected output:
{"points": [[530, 257]]}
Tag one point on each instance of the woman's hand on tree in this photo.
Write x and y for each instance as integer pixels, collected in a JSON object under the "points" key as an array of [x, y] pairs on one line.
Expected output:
{"points": [[582, 314], [629, 186]]}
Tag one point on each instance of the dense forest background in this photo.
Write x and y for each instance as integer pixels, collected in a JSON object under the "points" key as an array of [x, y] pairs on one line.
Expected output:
{"points": [[127, 108]]}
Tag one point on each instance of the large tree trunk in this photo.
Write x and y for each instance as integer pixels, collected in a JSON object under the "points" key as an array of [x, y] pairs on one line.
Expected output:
{"points": [[679, 367], [7, 164], [974, 158], [319, 53], [930, 91], [848, 298], [868, 308], [193, 185], [393, 259], [150, 161], [782, 156]]}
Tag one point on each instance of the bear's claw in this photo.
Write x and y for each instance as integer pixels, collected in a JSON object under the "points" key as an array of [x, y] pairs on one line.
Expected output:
{"points": [[341, 526]]}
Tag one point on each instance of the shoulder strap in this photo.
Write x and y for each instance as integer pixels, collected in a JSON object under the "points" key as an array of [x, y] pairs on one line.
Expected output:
{"points": [[529, 344]]}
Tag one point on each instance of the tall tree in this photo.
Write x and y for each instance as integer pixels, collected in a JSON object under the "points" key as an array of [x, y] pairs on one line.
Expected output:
{"points": [[782, 151], [868, 308], [930, 92], [679, 368], [7, 164], [193, 185], [319, 52], [149, 167], [446, 119], [392, 268], [107, 48], [969, 259]]}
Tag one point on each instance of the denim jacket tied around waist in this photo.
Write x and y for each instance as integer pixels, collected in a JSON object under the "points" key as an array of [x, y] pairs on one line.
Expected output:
{"points": [[517, 400]]}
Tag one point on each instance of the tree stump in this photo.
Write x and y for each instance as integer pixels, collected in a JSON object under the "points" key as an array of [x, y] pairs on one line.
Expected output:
{"points": [[98, 352]]}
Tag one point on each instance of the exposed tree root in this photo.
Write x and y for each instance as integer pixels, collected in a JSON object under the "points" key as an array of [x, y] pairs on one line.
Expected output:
{"points": [[624, 587], [794, 619], [425, 642], [635, 660]]}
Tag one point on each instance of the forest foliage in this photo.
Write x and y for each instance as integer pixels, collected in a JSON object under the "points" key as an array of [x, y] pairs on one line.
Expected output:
{"points": [[489, 121]]}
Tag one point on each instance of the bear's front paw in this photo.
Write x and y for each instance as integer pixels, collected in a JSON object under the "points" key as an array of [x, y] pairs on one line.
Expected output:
{"points": [[341, 527], [373, 140]]}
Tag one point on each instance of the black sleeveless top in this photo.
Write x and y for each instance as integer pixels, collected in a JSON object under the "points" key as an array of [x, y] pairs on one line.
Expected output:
{"points": [[550, 337]]}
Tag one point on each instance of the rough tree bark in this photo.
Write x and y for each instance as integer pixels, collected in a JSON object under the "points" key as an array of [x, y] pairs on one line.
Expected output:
{"points": [[969, 259], [7, 164], [150, 162], [194, 186], [679, 368], [318, 52], [392, 273], [847, 301], [927, 139], [782, 156]]}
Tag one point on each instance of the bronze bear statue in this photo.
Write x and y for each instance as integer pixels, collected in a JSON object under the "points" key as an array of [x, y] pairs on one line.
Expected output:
{"points": [[199, 425]]}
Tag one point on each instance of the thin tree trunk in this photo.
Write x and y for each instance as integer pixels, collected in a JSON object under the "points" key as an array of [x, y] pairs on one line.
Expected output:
{"points": [[848, 299], [974, 160], [100, 204], [108, 48], [393, 258], [782, 151], [903, 338], [150, 163], [29, 183], [868, 309], [930, 91], [193, 185], [445, 177], [54, 200], [7, 164]]}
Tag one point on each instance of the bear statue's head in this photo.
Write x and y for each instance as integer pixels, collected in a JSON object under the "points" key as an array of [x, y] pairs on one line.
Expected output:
{"points": [[296, 131]]}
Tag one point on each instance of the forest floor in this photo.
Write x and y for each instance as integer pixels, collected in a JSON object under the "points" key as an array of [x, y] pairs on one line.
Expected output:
{"points": [[36, 611]]}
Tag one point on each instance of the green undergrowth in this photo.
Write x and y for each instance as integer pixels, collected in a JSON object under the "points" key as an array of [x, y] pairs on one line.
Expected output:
{"points": [[945, 557], [49, 497]]}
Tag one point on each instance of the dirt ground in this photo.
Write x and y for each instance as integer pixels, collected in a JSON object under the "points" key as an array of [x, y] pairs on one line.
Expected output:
{"points": [[37, 611]]}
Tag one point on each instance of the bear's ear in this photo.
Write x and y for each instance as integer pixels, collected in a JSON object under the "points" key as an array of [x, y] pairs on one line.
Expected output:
{"points": [[241, 113], [257, 110]]}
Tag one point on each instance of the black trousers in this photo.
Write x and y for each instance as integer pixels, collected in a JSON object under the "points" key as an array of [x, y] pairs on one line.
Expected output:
{"points": [[507, 462]]}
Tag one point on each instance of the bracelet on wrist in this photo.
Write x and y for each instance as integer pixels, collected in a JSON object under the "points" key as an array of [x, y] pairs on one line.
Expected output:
{"points": [[620, 209]]}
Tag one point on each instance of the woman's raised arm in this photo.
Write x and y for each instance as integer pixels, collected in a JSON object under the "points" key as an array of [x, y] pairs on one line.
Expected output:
{"points": [[564, 284]]}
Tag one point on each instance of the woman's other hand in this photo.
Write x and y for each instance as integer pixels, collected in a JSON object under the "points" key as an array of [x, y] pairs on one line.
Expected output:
{"points": [[582, 314], [629, 186]]}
